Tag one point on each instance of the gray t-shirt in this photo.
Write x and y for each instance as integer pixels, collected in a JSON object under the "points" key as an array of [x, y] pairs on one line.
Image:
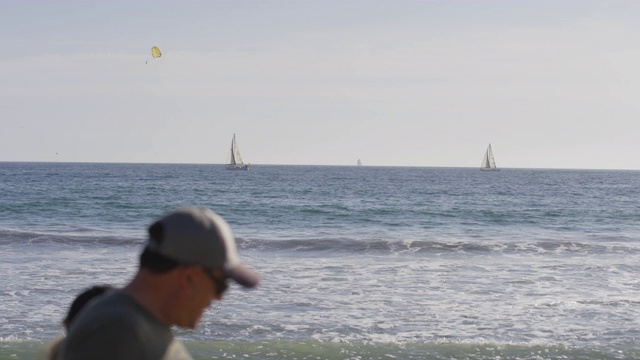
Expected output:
{"points": [[116, 326]]}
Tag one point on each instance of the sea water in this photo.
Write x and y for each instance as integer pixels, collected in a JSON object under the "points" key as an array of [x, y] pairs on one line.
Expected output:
{"points": [[356, 262]]}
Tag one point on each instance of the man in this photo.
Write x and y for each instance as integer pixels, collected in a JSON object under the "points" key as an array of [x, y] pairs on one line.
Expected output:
{"points": [[185, 265]]}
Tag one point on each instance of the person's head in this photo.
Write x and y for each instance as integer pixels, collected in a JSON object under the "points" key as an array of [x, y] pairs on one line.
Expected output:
{"points": [[81, 301], [196, 247]]}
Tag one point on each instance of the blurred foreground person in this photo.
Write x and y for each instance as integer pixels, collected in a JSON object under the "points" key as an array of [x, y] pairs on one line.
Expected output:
{"points": [[79, 303], [185, 265], [82, 300]]}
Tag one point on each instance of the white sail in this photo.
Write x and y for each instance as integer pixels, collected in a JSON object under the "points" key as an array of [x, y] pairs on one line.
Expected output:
{"points": [[488, 162], [359, 162], [234, 159]]}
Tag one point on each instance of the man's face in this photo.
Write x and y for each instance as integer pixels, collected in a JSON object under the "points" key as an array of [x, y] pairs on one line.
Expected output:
{"points": [[208, 285]]}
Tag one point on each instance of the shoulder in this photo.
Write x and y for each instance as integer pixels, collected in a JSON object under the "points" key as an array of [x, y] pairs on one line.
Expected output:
{"points": [[116, 327], [116, 308], [108, 340]]}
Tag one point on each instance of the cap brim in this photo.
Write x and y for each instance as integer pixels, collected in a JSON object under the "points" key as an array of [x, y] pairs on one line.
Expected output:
{"points": [[243, 276]]}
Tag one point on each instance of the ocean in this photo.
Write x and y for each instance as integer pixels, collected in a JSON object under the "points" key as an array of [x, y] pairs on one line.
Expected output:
{"points": [[357, 262]]}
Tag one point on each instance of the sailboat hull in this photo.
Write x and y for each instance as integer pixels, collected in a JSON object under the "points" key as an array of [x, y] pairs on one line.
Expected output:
{"points": [[237, 167]]}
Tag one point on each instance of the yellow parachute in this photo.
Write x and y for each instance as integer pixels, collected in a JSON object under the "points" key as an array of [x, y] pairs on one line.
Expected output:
{"points": [[155, 52]]}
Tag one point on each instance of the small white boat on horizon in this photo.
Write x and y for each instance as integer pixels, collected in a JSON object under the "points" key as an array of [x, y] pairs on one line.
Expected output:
{"points": [[488, 162], [234, 160]]}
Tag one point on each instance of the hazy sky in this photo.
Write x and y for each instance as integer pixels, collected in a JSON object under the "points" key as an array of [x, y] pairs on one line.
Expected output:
{"points": [[550, 84]]}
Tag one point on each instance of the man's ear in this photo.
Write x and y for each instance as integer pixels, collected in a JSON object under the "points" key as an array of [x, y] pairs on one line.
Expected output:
{"points": [[189, 276]]}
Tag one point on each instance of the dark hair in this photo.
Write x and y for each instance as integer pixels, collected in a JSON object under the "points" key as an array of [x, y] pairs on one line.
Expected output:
{"points": [[151, 260], [83, 299], [155, 262], [156, 232]]}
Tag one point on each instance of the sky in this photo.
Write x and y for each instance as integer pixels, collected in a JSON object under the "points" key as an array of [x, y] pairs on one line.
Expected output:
{"points": [[549, 84]]}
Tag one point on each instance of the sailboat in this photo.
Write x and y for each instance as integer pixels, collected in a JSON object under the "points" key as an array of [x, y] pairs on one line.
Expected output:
{"points": [[359, 162], [488, 162], [234, 160]]}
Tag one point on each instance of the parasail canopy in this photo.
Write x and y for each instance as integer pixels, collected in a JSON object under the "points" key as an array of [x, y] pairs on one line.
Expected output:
{"points": [[155, 52]]}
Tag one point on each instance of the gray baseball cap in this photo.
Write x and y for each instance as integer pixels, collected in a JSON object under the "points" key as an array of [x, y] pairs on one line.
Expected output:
{"points": [[198, 236]]}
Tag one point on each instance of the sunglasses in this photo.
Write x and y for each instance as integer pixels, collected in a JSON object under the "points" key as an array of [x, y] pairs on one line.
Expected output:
{"points": [[221, 284]]}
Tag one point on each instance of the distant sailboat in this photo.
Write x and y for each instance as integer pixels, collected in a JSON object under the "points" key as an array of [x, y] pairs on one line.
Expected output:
{"points": [[234, 160], [359, 162], [488, 162]]}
